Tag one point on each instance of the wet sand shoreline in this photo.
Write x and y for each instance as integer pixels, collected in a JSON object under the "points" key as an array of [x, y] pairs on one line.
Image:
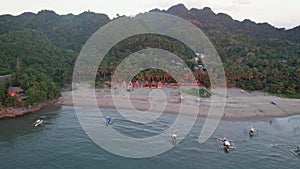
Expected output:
{"points": [[238, 106]]}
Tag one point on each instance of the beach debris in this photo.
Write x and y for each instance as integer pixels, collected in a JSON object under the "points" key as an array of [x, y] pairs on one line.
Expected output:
{"points": [[197, 100], [181, 98]]}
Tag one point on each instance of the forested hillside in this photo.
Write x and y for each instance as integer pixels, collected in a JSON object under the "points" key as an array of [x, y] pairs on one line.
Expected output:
{"points": [[37, 66], [255, 56], [40, 50], [31, 48], [65, 31]]}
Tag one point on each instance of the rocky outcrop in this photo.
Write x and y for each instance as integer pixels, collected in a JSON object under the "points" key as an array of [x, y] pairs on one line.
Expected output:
{"points": [[11, 112]]}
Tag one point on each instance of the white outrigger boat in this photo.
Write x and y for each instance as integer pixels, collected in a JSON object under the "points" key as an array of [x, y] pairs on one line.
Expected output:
{"points": [[296, 151], [226, 145], [38, 122], [174, 138]]}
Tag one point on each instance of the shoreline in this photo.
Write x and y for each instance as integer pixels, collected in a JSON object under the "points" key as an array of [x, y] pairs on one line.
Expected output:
{"points": [[242, 106], [239, 105], [11, 112]]}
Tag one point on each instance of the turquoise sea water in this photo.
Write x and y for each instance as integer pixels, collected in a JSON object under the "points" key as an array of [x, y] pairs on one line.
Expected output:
{"points": [[62, 143]]}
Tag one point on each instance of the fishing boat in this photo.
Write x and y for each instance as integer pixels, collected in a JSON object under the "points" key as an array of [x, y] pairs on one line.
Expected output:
{"points": [[226, 145], [251, 131], [174, 138], [38, 122], [107, 120], [296, 151]]}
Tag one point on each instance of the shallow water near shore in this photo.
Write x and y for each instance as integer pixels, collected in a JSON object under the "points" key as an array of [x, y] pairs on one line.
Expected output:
{"points": [[62, 143]]}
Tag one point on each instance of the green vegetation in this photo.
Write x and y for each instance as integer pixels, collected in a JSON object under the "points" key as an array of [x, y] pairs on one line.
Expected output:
{"points": [[31, 48], [198, 92], [64, 31], [267, 65], [36, 65], [250, 63], [38, 87], [204, 93], [139, 42], [4, 71], [290, 96], [39, 51]]}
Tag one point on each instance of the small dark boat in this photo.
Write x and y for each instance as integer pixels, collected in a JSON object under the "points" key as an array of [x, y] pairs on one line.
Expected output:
{"points": [[296, 151]]}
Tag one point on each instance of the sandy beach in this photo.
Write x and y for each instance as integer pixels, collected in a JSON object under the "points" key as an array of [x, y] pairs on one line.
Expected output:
{"points": [[239, 104]]}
